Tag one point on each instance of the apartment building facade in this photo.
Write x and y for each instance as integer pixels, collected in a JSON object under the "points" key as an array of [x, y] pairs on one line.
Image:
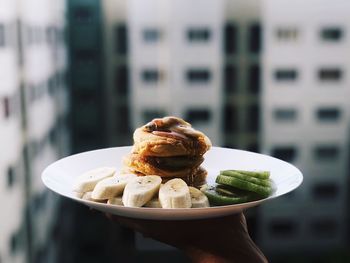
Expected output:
{"points": [[305, 103], [34, 108]]}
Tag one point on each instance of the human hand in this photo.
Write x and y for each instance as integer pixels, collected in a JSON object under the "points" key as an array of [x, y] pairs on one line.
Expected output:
{"points": [[224, 239]]}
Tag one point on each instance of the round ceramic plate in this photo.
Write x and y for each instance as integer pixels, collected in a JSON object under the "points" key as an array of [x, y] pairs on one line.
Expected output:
{"points": [[60, 176]]}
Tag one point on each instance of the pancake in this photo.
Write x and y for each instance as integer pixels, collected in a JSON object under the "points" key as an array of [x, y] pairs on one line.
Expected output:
{"points": [[197, 178], [162, 166], [169, 136]]}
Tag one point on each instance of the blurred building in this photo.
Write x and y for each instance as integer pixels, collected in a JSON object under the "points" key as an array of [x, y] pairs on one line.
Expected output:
{"points": [[87, 71], [12, 167], [156, 64], [33, 130], [306, 114], [175, 61], [241, 75]]}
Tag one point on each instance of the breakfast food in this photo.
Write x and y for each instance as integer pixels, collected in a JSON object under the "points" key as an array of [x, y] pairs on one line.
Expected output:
{"points": [[163, 170], [168, 137], [141, 190], [238, 186], [169, 147], [175, 194], [111, 186], [88, 180], [198, 198]]}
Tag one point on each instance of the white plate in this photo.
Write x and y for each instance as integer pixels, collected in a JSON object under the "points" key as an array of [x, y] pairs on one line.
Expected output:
{"points": [[59, 177]]}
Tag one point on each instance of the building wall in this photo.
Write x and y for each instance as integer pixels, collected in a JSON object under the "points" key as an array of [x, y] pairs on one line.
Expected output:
{"points": [[173, 73], [33, 128], [11, 160], [87, 95], [306, 120], [241, 74], [115, 46]]}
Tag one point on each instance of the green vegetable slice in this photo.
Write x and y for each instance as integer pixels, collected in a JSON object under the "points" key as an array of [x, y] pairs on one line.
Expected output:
{"points": [[264, 191], [216, 198], [245, 177], [257, 174]]}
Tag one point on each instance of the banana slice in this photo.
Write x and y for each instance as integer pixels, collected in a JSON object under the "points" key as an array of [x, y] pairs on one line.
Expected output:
{"points": [[198, 199], [115, 201], [87, 196], [175, 194], [153, 203], [140, 190], [111, 186], [78, 194], [87, 181]]}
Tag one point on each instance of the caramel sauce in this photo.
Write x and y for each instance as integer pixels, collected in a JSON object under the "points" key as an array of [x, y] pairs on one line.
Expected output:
{"points": [[172, 127]]}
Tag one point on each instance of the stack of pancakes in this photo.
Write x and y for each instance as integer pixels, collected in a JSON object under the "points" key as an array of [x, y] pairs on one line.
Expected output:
{"points": [[169, 147]]}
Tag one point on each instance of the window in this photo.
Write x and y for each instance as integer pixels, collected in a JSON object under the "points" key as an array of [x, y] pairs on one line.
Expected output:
{"points": [[198, 75], [230, 39], [149, 115], [29, 35], [330, 74], [121, 39], [331, 34], [52, 84], [286, 74], [230, 120], [230, 145], [253, 118], [82, 14], [325, 227], [38, 35], [123, 121], [254, 79], [254, 38], [53, 135], [327, 190], [198, 34], [326, 152], [2, 35], [287, 34], [122, 80], [13, 242], [151, 75], [195, 116], [6, 105], [51, 34], [282, 228], [151, 35], [286, 153], [254, 147], [328, 114], [230, 78], [86, 57], [285, 114], [10, 176]]}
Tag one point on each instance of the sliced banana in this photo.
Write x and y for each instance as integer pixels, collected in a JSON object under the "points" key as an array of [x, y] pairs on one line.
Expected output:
{"points": [[140, 190], [115, 201], [175, 194], [78, 194], [87, 181], [198, 199], [153, 203], [87, 196], [111, 186]]}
